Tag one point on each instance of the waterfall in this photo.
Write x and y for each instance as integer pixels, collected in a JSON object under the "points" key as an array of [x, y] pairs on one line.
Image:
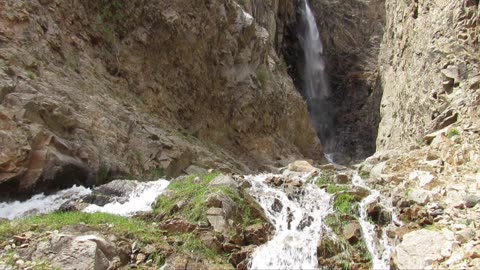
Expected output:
{"points": [[316, 86], [298, 220]]}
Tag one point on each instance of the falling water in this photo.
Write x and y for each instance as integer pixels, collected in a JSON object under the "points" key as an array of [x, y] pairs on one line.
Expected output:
{"points": [[378, 247], [298, 221], [140, 200], [316, 85]]}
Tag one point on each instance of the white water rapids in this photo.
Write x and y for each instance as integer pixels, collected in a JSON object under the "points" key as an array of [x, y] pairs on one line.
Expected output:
{"points": [[298, 224], [140, 200], [380, 249]]}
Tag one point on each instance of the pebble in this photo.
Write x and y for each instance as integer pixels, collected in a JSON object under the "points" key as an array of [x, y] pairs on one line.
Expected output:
{"points": [[20, 262]]}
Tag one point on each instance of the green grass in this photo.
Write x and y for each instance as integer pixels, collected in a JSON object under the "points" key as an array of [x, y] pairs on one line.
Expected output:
{"points": [[345, 204], [158, 173], [325, 178], [193, 245], [128, 227], [453, 132], [194, 191], [263, 76], [336, 188]]}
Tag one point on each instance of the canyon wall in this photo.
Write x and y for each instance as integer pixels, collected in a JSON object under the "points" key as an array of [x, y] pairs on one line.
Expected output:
{"points": [[94, 90]]}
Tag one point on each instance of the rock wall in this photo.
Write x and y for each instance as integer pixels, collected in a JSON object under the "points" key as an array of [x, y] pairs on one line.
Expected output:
{"points": [[429, 63], [351, 32], [92, 90]]}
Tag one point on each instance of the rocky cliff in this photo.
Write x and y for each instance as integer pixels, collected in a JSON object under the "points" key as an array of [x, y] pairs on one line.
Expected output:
{"points": [[93, 90]]}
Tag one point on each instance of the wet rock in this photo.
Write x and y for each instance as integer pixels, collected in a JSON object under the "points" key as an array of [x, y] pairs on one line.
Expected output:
{"points": [[352, 232], [237, 258], [117, 190], [342, 179], [301, 166], [305, 222], [277, 205], [328, 247], [257, 234], [421, 249], [378, 214], [255, 209]]}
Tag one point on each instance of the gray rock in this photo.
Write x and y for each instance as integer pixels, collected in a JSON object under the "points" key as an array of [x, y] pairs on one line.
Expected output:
{"points": [[196, 170], [113, 191], [77, 252], [420, 249], [420, 196], [471, 200], [216, 218], [224, 181]]}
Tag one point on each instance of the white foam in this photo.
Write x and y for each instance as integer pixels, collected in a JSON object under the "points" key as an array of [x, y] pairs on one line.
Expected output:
{"points": [[41, 204], [140, 200], [293, 246]]}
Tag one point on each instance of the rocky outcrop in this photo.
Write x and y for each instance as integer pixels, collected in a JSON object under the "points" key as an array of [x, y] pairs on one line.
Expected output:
{"points": [[94, 90], [351, 32], [429, 69]]}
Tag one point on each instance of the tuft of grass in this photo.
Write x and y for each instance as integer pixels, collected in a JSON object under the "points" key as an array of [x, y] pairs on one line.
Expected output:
{"points": [[336, 188], [193, 245], [31, 75], [193, 192], [453, 132], [158, 173], [345, 204], [128, 227], [263, 76], [364, 175]]}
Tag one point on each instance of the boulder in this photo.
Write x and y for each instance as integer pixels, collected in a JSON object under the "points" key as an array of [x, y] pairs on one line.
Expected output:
{"points": [[216, 218], [301, 166], [422, 248], [77, 251], [224, 181], [111, 192], [352, 232]]}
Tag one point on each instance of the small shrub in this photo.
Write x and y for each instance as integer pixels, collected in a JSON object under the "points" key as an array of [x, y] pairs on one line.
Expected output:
{"points": [[453, 132], [263, 76]]}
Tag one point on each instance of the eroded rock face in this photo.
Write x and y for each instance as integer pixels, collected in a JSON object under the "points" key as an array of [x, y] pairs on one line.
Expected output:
{"points": [[86, 96], [439, 41]]}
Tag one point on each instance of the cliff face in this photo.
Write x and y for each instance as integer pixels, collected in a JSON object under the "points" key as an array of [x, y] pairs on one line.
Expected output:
{"points": [[93, 90], [429, 62], [351, 32]]}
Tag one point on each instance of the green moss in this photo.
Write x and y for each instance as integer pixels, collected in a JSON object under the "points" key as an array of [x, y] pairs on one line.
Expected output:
{"points": [[128, 227], [364, 175], [325, 178]]}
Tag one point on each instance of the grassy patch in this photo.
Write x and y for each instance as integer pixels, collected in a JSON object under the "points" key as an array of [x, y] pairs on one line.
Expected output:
{"points": [[193, 192], [336, 188], [128, 227], [193, 245], [453, 132], [263, 76], [345, 204], [326, 178]]}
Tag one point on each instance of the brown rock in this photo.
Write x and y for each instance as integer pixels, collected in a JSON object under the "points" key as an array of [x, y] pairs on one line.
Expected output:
{"points": [[352, 232]]}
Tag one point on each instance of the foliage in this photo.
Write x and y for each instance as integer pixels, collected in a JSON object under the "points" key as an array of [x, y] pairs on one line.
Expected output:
{"points": [[345, 204], [193, 193], [263, 76], [107, 222], [453, 132]]}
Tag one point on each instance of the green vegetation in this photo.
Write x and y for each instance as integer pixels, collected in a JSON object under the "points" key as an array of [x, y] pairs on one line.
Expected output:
{"points": [[325, 178], [336, 188], [345, 203], [453, 132], [263, 76], [191, 244], [31, 75], [364, 175], [131, 228], [193, 192], [158, 173]]}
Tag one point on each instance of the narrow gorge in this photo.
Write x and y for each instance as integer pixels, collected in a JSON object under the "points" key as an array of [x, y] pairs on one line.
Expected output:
{"points": [[239, 134]]}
